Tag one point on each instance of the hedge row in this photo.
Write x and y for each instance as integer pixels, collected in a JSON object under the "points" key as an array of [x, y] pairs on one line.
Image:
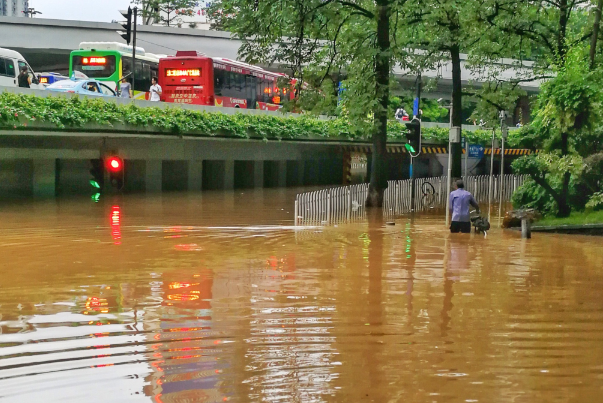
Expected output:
{"points": [[19, 111]]}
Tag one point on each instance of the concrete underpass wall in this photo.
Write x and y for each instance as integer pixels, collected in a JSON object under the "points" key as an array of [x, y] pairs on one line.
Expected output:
{"points": [[16, 178], [134, 176], [45, 165], [73, 177], [244, 174], [174, 176]]}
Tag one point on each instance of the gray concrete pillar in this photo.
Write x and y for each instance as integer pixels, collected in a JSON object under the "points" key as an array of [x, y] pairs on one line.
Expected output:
{"points": [[258, 174], [229, 174], [153, 175], [282, 174], [195, 175], [44, 177]]}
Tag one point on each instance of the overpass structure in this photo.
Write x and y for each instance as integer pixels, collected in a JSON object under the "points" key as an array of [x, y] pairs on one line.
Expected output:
{"points": [[46, 44], [41, 160]]}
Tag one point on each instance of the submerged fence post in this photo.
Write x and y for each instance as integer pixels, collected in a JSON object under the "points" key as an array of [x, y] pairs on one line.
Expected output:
{"points": [[296, 211], [329, 206], [349, 207]]}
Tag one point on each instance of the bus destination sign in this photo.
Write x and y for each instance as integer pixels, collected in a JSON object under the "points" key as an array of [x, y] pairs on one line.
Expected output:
{"points": [[182, 73]]}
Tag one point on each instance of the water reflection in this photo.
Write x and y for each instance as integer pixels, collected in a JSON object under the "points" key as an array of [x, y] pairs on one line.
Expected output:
{"points": [[204, 302]]}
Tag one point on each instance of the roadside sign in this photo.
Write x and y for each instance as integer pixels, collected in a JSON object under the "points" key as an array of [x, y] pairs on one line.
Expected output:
{"points": [[476, 151]]}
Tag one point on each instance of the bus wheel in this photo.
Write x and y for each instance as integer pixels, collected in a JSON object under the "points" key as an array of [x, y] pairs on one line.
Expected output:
{"points": [[237, 106]]}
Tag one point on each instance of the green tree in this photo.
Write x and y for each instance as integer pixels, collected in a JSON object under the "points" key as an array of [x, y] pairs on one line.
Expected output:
{"points": [[165, 12], [569, 109], [355, 39]]}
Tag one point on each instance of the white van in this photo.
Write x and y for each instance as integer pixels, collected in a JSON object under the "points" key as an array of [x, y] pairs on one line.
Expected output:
{"points": [[11, 63]]}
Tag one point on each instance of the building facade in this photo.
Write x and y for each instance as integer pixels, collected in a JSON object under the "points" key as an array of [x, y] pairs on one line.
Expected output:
{"points": [[13, 8]]}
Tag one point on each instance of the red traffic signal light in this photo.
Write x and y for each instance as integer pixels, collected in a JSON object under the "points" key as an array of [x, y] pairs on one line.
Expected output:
{"points": [[114, 164]]}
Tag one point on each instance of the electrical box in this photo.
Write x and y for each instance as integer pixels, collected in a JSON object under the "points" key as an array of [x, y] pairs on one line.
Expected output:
{"points": [[455, 134]]}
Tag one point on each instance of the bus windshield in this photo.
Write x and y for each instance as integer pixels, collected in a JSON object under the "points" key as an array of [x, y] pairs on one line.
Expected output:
{"points": [[95, 66]]}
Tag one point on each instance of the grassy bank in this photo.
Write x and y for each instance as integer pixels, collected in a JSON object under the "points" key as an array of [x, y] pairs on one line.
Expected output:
{"points": [[579, 218]]}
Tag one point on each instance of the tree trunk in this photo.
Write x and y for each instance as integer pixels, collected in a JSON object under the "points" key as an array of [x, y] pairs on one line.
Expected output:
{"points": [[456, 151], [594, 37], [378, 182]]}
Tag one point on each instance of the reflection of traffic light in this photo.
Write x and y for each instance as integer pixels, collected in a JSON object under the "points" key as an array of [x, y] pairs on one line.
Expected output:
{"points": [[413, 135], [98, 179], [115, 167]]}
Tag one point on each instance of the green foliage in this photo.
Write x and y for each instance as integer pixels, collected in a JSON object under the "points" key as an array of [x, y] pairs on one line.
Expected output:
{"points": [[595, 203], [20, 111], [531, 195], [592, 175], [165, 12], [569, 104]]}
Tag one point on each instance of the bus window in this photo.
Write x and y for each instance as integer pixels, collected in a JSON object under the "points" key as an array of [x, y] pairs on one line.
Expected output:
{"points": [[140, 84], [126, 66], [229, 82], [218, 81], [146, 75], [240, 83], [251, 87], [95, 66]]}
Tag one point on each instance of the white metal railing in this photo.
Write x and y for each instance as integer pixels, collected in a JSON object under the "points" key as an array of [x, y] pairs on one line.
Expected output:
{"points": [[346, 203]]}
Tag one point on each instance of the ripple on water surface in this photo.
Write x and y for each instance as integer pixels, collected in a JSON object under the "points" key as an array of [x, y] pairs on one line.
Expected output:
{"points": [[217, 298]]}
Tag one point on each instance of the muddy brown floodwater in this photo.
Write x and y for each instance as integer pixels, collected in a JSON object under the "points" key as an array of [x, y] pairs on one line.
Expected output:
{"points": [[215, 297]]}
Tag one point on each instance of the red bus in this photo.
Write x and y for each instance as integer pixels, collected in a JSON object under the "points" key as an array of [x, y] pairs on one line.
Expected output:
{"points": [[192, 78]]}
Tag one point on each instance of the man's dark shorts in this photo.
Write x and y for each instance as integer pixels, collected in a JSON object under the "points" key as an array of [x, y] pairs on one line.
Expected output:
{"points": [[458, 226]]}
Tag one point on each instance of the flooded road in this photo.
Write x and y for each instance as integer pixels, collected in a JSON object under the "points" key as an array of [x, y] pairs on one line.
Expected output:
{"points": [[215, 297]]}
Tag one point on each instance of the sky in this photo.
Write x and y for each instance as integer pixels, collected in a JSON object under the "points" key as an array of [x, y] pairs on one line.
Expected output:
{"points": [[82, 10]]}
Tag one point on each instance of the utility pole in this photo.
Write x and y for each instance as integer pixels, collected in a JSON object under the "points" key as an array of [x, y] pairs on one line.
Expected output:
{"points": [[134, 49]]}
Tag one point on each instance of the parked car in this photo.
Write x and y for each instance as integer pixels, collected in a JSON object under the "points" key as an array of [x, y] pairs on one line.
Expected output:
{"points": [[11, 63], [85, 87]]}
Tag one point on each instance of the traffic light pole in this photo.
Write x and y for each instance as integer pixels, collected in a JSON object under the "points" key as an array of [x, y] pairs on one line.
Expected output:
{"points": [[134, 49], [417, 115]]}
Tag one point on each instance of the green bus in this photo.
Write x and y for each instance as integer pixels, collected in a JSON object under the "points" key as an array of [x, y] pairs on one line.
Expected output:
{"points": [[111, 61]]}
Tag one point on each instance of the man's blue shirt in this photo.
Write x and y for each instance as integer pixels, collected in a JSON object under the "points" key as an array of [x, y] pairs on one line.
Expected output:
{"points": [[460, 200]]}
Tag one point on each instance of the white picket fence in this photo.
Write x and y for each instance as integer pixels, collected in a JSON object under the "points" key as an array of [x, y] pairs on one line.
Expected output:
{"points": [[346, 203]]}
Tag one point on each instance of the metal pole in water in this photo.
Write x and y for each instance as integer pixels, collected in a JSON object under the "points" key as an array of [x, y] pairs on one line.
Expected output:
{"points": [[504, 133], [491, 177], [412, 186]]}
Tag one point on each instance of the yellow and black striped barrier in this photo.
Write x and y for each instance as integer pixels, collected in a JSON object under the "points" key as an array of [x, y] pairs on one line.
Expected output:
{"points": [[395, 149], [509, 151]]}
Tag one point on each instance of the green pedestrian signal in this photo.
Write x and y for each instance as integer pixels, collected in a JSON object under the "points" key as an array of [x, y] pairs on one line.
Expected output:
{"points": [[413, 135]]}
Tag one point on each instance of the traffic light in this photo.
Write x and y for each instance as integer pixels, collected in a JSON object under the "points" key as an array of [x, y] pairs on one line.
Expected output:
{"points": [[115, 167], [127, 25], [413, 135], [98, 175]]}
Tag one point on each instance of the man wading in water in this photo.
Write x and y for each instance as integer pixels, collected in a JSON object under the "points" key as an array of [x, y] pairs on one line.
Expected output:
{"points": [[460, 200]]}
